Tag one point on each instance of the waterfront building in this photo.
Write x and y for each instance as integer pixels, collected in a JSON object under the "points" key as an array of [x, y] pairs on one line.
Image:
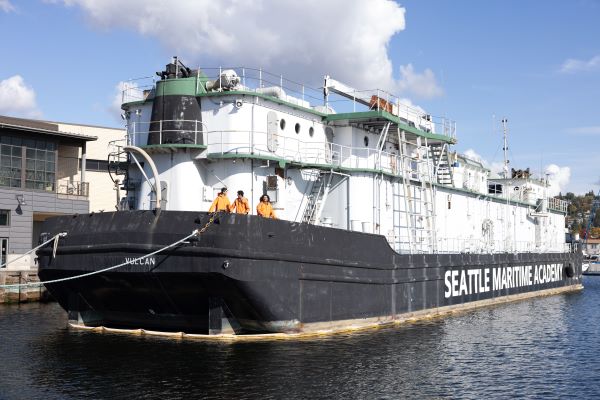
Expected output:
{"points": [[48, 169]]}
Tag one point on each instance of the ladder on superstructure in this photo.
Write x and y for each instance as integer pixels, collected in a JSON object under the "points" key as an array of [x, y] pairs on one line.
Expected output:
{"points": [[316, 197], [417, 194], [442, 170]]}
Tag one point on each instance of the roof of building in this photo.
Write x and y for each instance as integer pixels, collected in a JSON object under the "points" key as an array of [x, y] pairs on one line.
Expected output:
{"points": [[47, 128]]}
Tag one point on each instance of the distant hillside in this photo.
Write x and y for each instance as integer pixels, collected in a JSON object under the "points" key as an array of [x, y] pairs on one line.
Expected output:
{"points": [[579, 214]]}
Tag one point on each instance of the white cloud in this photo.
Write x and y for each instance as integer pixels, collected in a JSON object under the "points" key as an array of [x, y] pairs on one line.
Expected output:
{"points": [[558, 178], [496, 168], [572, 65], [6, 6], [584, 130], [18, 99], [127, 91], [423, 84], [302, 39]]}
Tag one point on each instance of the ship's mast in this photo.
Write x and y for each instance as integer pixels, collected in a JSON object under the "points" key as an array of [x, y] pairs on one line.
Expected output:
{"points": [[505, 148]]}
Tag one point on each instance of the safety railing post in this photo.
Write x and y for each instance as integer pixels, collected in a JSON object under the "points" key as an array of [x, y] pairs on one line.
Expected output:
{"points": [[160, 131], [196, 132]]}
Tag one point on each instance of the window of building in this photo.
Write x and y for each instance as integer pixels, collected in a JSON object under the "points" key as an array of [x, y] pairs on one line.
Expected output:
{"points": [[39, 163], [95, 165], [10, 164], [494, 188], [4, 217]]}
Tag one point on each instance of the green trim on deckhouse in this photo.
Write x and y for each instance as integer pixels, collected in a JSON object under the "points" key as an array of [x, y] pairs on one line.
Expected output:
{"points": [[195, 87], [328, 167], [362, 115]]}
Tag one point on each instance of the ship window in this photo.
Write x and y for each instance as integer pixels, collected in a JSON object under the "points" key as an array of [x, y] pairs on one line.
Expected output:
{"points": [[366, 140], [311, 131], [494, 188], [282, 124], [297, 128]]}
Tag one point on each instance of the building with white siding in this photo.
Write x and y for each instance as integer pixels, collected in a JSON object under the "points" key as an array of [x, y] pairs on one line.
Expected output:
{"points": [[43, 174]]}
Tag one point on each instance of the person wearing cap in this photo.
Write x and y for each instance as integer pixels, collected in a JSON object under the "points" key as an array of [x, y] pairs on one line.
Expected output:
{"points": [[240, 204], [221, 203]]}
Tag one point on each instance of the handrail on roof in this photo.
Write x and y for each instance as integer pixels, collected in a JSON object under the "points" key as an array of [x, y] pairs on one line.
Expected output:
{"points": [[344, 98]]}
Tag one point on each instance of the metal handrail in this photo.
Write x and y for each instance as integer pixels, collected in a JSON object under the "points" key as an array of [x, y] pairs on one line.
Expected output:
{"points": [[137, 130], [74, 188], [450, 245], [324, 153], [254, 79]]}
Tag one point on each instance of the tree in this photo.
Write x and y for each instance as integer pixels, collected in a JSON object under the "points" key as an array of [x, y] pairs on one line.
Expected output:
{"points": [[595, 233], [575, 227]]}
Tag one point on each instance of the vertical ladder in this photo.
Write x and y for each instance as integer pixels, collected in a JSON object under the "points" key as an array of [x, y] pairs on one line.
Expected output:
{"points": [[441, 164], [316, 198], [408, 206], [430, 192], [419, 204]]}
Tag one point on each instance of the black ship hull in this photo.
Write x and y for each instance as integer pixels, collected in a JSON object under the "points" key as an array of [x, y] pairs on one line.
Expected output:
{"points": [[249, 274]]}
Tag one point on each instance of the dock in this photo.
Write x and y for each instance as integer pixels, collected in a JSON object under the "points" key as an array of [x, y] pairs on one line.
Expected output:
{"points": [[19, 294]]}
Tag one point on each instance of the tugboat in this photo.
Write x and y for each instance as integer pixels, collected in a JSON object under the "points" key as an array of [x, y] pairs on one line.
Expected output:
{"points": [[378, 219]]}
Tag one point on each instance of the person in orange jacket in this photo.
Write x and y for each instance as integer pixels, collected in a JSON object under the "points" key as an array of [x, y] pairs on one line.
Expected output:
{"points": [[221, 203], [264, 208], [240, 204]]}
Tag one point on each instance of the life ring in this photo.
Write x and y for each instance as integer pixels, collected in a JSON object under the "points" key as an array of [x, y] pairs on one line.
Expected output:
{"points": [[569, 270]]}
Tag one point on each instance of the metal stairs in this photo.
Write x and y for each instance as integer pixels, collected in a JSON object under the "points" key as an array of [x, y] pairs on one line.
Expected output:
{"points": [[441, 164], [317, 197]]}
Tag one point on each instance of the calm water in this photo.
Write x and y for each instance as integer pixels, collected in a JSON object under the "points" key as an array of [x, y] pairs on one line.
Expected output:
{"points": [[542, 348]]}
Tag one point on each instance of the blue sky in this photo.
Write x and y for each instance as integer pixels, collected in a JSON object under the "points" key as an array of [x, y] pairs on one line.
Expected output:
{"points": [[468, 60]]}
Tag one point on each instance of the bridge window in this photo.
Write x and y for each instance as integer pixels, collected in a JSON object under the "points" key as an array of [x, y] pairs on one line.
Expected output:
{"points": [[297, 128], [494, 188], [366, 140], [282, 124]]}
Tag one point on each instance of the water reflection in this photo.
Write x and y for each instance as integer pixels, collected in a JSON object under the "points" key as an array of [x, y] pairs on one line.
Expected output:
{"points": [[535, 348]]}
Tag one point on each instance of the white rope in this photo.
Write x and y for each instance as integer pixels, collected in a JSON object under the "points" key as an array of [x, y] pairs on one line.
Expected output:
{"points": [[33, 284], [55, 237]]}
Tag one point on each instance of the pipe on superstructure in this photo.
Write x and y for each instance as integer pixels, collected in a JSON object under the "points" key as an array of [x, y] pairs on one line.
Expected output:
{"points": [[157, 188]]}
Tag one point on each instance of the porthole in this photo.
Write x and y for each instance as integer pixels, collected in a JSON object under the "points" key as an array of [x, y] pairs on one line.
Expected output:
{"points": [[366, 140], [297, 127], [282, 124], [311, 131]]}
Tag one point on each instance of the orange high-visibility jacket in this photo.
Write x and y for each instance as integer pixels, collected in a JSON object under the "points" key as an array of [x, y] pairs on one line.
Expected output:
{"points": [[240, 206], [265, 210], [221, 203]]}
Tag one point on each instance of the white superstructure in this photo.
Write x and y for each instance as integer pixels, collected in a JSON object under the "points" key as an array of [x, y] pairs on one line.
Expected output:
{"points": [[354, 160]]}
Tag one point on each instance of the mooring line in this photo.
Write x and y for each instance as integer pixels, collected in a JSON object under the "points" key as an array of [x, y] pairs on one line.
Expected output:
{"points": [[196, 232], [55, 237]]}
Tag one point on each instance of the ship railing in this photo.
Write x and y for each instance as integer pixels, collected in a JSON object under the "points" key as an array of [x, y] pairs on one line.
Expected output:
{"points": [[313, 152], [558, 204], [166, 132], [381, 100], [138, 89], [448, 245], [257, 80], [73, 188]]}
